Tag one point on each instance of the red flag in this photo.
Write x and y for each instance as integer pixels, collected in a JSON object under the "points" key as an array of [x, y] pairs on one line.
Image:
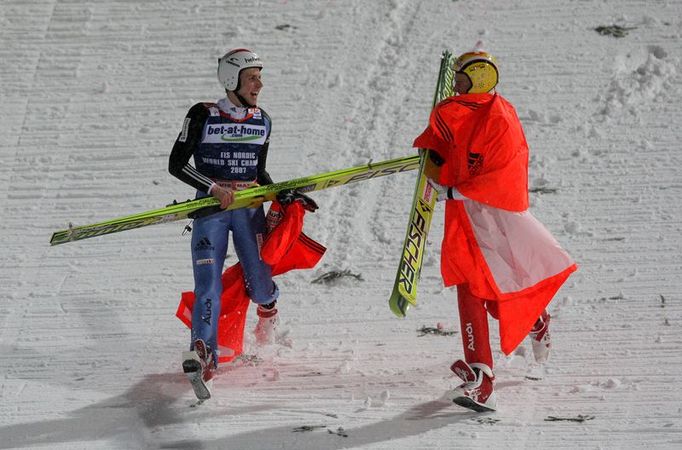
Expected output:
{"points": [[286, 248], [491, 242]]}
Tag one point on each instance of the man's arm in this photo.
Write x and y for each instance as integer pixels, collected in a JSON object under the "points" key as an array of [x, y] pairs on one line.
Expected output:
{"points": [[263, 177], [188, 140]]}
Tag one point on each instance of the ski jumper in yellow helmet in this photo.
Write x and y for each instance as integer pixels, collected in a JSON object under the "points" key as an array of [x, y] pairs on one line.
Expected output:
{"points": [[481, 69]]}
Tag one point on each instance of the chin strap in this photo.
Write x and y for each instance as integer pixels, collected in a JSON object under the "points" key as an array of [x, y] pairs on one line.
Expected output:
{"points": [[243, 101]]}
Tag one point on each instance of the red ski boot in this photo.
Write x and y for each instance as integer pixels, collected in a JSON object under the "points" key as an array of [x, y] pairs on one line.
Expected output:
{"points": [[477, 391], [267, 324], [199, 366], [540, 338]]}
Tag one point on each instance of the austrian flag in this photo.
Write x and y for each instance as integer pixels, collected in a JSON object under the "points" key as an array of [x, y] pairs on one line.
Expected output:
{"points": [[491, 242]]}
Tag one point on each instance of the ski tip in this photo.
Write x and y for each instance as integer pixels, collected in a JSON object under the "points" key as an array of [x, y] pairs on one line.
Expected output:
{"points": [[399, 306], [59, 237], [409, 298]]}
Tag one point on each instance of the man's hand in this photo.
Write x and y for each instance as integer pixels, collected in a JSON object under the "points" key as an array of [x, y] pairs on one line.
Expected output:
{"points": [[287, 196], [223, 195], [446, 192], [442, 190]]}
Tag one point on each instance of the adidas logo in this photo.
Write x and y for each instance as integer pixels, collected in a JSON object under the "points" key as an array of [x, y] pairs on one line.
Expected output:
{"points": [[204, 244], [474, 163]]}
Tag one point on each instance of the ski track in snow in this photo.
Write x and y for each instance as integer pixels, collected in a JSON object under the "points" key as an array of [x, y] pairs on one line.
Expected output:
{"points": [[93, 95]]}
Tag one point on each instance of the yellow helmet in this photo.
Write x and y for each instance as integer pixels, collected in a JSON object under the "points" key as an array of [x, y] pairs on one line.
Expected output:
{"points": [[481, 68]]}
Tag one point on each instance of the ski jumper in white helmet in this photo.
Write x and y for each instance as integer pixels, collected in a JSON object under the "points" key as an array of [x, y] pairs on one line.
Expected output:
{"points": [[232, 64], [229, 144]]}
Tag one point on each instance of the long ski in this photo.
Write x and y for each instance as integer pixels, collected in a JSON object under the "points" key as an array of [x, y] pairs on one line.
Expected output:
{"points": [[248, 198], [409, 270]]}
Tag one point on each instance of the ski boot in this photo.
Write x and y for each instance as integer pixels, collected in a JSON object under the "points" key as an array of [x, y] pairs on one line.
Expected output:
{"points": [[267, 324], [540, 338], [477, 391], [199, 366]]}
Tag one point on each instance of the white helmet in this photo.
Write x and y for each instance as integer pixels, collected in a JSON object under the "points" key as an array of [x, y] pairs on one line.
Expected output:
{"points": [[232, 63]]}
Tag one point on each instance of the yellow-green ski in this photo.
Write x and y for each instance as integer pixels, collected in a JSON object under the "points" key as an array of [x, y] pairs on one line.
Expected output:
{"points": [[248, 198], [409, 270]]}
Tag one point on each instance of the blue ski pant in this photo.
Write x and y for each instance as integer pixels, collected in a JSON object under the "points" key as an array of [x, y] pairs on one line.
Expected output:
{"points": [[209, 249]]}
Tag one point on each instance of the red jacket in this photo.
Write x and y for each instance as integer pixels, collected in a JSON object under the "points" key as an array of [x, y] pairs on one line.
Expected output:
{"points": [[485, 151]]}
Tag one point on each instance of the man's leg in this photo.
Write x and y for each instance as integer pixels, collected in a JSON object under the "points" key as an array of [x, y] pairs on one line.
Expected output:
{"points": [[248, 228], [477, 391], [473, 318], [249, 232], [209, 247]]}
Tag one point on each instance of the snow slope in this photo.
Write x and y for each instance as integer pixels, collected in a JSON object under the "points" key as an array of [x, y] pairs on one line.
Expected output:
{"points": [[93, 94]]}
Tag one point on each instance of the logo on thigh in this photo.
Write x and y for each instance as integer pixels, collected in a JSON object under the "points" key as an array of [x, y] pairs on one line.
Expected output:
{"points": [[203, 244], [470, 336]]}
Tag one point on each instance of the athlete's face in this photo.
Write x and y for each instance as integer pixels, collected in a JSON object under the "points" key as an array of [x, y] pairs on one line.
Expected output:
{"points": [[250, 85], [462, 83]]}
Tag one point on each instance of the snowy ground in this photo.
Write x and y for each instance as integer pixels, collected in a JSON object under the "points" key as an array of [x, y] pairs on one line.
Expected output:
{"points": [[93, 94]]}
